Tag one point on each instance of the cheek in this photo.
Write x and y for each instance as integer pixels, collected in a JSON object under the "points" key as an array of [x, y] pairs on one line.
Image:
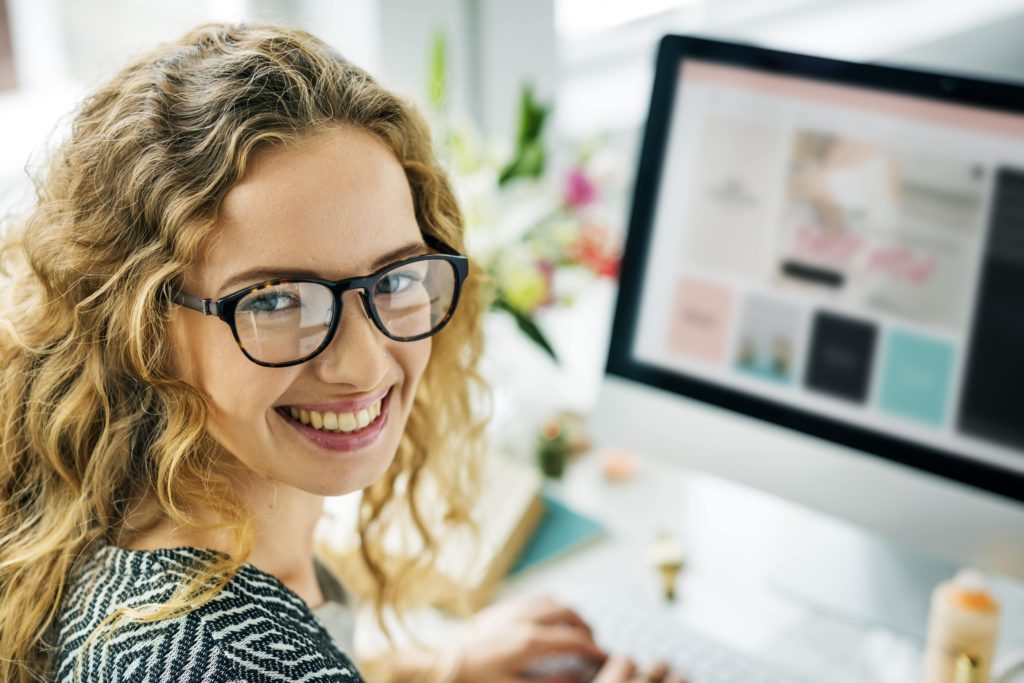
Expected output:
{"points": [[188, 338], [238, 391], [414, 360]]}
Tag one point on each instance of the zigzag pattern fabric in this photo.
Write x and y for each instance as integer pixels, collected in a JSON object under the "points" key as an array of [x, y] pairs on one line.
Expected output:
{"points": [[255, 630]]}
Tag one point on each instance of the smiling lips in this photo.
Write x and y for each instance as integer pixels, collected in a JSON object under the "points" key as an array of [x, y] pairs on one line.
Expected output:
{"points": [[340, 430], [338, 417], [337, 422]]}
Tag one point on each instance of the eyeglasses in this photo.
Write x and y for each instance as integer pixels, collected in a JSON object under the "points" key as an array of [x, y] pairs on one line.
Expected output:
{"points": [[279, 323]]}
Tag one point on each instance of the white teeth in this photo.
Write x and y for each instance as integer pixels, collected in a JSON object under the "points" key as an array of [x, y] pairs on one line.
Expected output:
{"points": [[344, 422], [347, 422]]}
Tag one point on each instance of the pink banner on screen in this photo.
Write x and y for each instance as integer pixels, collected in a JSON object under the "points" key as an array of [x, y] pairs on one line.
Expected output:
{"points": [[902, 106]]}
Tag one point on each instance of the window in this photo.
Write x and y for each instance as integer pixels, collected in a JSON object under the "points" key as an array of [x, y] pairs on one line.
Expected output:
{"points": [[7, 79], [576, 18]]}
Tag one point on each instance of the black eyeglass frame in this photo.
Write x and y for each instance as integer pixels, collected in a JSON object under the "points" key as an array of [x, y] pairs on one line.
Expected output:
{"points": [[224, 307]]}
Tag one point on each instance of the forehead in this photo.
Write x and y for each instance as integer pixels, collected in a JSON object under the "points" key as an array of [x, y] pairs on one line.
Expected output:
{"points": [[330, 204]]}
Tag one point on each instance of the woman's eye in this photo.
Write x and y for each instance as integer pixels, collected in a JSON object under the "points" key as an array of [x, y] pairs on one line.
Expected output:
{"points": [[394, 284], [270, 303]]}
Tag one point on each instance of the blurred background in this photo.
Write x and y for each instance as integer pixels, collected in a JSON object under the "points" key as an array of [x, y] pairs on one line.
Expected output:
{"points": [[537, 106]]}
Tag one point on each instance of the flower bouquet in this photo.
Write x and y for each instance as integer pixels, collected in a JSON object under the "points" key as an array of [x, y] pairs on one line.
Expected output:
{"points": [[536, 226]]}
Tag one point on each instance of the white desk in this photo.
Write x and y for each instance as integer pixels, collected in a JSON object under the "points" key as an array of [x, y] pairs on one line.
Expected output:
{"points": [[736, 540]]}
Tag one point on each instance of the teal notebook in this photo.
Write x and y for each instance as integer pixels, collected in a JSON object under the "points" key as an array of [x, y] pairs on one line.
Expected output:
{"points": [[559, 531]]}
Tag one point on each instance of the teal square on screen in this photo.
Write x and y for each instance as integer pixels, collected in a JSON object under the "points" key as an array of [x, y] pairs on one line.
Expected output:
{"points": [[916, 377]]}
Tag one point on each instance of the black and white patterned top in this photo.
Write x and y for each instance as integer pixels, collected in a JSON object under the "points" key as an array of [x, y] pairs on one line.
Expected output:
{"points": [[255, 630]]}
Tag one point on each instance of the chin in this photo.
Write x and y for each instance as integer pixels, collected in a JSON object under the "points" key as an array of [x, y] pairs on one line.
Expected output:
{"points": [[352, 477]]}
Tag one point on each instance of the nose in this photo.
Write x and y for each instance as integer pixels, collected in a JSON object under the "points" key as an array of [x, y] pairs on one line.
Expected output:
{"points": [[357, 356]]}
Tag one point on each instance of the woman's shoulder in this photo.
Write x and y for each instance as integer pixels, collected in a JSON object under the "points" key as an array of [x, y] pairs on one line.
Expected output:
{"points": [[253, 629]]}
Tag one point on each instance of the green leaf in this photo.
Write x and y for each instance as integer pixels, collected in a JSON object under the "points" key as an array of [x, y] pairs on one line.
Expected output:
{"points": [[532, 118], [437, 84], [529, 157], [526, 326]]}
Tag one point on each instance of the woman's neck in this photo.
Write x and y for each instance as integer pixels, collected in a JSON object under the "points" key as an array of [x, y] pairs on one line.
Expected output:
{"points": [[284, 519]]}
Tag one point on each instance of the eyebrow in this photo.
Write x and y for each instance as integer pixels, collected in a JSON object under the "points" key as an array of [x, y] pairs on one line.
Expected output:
{"points": [[261, 273]]}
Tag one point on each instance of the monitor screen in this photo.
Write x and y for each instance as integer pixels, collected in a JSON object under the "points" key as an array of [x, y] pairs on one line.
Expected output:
{"points": [[835, 247]]}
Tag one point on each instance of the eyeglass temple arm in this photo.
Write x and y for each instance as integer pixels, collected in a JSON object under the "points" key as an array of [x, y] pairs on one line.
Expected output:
{"points": [[436, 243], [204, 306]]}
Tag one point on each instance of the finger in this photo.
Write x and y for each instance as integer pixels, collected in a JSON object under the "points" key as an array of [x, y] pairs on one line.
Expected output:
{"points": [[540, 607], [617, 669], [546, 610], [560, 614], [561, 678], [675, 678], [657, 673], [548, 639]]}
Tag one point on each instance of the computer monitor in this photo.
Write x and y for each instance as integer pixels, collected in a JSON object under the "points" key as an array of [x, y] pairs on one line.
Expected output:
{"points": [[822, 292]]}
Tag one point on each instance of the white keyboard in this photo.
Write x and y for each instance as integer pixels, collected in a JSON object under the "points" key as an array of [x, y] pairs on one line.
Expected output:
{"points": [[648, 637]]}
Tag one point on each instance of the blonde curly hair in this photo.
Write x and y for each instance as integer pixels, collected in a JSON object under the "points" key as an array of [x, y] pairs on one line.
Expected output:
{"points": [[94, 419]]}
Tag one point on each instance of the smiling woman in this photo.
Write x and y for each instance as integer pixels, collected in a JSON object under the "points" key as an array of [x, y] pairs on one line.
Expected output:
{"points": [[151, 472], [241, 290]]}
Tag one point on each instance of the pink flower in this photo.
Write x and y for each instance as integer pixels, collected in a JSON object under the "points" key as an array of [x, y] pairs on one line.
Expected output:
{"points": [[579, 191], [597, 251]]}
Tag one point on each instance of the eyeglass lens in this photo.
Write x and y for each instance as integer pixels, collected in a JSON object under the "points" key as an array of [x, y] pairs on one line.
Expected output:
{"points": [[289, 321]]}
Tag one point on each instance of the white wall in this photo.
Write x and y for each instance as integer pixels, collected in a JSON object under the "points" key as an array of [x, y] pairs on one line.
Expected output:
{"points": [[606, 76], [598, 81], [62, 48], [494, 47]]}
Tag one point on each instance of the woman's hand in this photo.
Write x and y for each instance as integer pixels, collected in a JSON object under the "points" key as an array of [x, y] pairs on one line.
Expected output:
{"points": [[622, 670], [510, 642], [502, 642]]}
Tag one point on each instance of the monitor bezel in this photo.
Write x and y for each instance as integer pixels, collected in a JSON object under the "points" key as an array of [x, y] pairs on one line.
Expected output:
{"points": [[945, 87]]}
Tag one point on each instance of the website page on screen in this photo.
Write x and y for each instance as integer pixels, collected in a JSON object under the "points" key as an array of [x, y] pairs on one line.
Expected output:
{"points": [[853, 253]]}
